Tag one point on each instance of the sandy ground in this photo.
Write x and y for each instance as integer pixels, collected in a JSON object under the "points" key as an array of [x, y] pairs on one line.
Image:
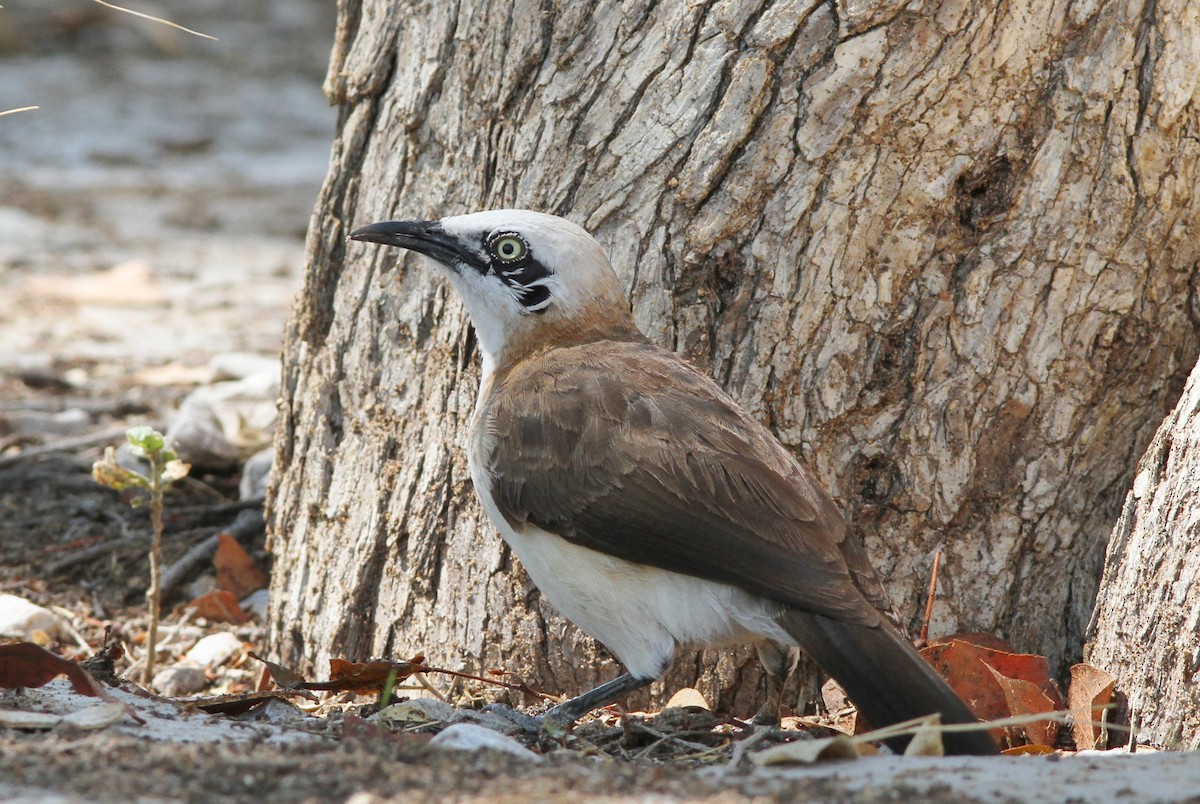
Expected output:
{"points": [[152, 219]]}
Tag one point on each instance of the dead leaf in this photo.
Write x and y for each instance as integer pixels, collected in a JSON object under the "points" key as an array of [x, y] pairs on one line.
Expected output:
{"points": [[1024, 698], [284, 677], [90, 718], [977, 638], [688, 696], [927, 740], [808, 751], [24, 664], [1090, 692], [244, 702], [370, 676], [219, 606], [1028, 750], [1027, 667], [972, 671], [237, 572]]}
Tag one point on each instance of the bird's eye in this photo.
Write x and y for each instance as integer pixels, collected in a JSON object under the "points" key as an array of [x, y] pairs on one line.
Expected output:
{"points": [[509, 248]]}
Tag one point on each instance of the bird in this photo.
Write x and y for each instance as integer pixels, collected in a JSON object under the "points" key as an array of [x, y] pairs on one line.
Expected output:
{"points": [[642, 500]]}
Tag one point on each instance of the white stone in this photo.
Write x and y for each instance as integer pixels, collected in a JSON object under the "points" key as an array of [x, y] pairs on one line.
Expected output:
{"points": [[255, 604], [239, 365], [20, 619], [469, 737], [184, 678], [214, 649]]}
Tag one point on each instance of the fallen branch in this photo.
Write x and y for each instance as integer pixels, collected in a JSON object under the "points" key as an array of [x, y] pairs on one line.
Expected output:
{"points": [[247, 523]]}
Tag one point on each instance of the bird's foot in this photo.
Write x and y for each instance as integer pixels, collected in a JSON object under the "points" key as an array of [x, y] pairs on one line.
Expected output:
{"points": [[768, 716], [527, 723]]}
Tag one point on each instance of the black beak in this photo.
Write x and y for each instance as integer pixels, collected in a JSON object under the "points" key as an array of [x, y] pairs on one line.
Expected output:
{"points": [[423, 237]]}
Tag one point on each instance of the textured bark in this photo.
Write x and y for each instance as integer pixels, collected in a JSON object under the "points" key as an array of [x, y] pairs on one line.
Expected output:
{"points": [[1146, 626], [945, 251]]}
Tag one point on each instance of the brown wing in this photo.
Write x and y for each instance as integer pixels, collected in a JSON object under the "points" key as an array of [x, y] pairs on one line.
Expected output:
{"points": [[623, 448]]}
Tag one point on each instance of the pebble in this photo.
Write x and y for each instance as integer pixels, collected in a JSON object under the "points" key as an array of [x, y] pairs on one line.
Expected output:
{"points": [[218, 424], [21, 619], [214, 650], [470, 737], [180, 679], [256, 474], [256, 603], [417, 710], [239, 365]]}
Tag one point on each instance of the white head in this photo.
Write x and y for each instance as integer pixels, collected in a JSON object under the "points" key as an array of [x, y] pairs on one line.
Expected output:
{"points": [[523, 276]]}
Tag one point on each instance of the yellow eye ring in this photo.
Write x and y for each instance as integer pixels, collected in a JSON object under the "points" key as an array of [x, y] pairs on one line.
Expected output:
{"points": [[509, 248]]}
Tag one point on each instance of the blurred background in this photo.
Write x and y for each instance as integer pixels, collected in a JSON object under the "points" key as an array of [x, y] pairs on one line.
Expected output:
{"points": [[153, 209]]}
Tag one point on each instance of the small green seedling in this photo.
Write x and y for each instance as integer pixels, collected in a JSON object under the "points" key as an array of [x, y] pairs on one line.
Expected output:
{"points": [[164, 469]]}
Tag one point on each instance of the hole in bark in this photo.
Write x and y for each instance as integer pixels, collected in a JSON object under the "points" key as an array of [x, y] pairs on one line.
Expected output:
{"points": [[895, 361], [984, 195], [875, 476]]}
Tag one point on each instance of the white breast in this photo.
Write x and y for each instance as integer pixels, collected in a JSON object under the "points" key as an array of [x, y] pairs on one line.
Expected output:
{"points": [[638, 612]]}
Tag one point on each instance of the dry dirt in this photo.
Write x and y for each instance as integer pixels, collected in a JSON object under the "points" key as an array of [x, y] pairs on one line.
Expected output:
{"points": [[152, 219]]}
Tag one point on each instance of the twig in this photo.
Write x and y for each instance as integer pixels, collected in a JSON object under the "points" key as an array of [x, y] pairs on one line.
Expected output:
{"points": [[425, 683], [740, 749], [638, 725], [67, 445], [247, 523], [67, 615], [173, 575], [168, 23], [923, 639], [522, 686], [89, 553], [154, 593], [21, 109], [171, 633]]}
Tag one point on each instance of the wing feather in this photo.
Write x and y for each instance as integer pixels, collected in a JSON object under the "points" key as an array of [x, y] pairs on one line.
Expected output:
{"points": [[624, 448]]}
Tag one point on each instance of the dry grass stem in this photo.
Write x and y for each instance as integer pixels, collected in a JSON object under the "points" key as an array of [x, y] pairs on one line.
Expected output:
{"points": [[168, 23], [21, 109]]}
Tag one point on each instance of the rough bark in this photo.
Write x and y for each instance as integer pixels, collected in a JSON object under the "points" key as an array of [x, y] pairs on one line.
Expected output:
{"points": [[945, 251], [1146, 626]]}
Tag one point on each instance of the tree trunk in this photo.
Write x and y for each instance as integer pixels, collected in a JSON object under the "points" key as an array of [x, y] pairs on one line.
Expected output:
{"points": [[1146, 626], [945, 252]]}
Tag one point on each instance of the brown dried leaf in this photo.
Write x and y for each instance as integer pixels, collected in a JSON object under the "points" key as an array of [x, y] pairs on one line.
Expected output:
{"points": [[284, 677], [24, 664], [237, 572], [977, 638], [1090, 691], [219, 606], [244, 702], [366, 676], [1027, 750], [1024, 698], [972, 671]]}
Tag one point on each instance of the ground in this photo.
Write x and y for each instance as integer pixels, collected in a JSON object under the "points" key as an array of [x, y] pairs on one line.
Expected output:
{"points": [[153, 222]]}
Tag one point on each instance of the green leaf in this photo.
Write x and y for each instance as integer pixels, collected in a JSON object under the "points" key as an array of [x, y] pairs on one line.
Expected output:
{"points": [[146, 438]]}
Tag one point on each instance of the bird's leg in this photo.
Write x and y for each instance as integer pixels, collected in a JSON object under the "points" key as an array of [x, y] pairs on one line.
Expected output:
{"points": [[569, 711], [606, 693], [779, 661]]}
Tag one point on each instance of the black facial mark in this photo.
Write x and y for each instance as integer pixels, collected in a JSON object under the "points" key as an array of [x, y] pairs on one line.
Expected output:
{"points": [[523, 274]]}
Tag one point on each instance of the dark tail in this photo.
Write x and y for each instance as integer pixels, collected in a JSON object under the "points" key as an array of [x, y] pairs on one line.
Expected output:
{"points": [[885, 677]]}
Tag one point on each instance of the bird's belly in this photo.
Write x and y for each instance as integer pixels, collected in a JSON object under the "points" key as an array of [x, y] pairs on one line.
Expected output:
{"points": [[638, 612]]}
